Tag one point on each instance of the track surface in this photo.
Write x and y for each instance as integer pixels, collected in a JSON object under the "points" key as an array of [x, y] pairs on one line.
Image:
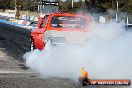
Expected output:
{"points": [[14, 42]]}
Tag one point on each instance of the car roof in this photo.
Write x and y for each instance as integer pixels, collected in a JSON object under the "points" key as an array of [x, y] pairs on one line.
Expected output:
{"points": [[66, 14]]}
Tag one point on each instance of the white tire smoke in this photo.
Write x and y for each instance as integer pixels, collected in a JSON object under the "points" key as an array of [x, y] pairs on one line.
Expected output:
{"points": [[106, 55]]}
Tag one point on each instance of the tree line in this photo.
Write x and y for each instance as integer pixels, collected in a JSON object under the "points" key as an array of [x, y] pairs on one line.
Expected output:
{"points": [[31, 5], [23, 4]]}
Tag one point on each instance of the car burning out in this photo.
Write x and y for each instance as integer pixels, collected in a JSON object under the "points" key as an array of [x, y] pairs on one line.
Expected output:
{"points": [[66, 28], [60, 28]]}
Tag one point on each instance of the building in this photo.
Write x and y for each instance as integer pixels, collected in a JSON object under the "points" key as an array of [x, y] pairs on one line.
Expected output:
{"points": [[47, 6]]}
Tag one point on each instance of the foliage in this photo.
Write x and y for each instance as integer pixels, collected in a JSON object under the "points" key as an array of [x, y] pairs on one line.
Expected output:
{"points": [[23, 4], [77, 6], [32, 6]]}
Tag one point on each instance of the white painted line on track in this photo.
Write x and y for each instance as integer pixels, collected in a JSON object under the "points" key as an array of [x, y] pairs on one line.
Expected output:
{"points": [[2, 48], [11, 71]]}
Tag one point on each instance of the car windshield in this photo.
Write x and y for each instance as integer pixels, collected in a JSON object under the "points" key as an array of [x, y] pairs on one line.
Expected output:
{"points": [[68, 22]]}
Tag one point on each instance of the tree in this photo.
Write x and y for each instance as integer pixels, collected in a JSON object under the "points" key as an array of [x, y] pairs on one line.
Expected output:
{"points": [[3, 4]]}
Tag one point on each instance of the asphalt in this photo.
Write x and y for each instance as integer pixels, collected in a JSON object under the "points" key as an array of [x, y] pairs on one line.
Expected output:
{"points": [[12, 71]]}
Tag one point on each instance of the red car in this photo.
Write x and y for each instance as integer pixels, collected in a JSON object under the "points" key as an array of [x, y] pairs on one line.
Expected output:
{"points": [[60, 28]]}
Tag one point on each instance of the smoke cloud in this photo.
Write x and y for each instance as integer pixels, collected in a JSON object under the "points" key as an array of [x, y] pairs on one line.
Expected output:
{"points": [[107, 54]]}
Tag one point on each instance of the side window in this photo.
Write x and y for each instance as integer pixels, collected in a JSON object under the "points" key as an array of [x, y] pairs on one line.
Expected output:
{"points": [[44, 22], [55, 22]]}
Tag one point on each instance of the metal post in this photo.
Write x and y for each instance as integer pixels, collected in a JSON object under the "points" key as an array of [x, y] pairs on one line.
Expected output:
{"points": [[17, 13], [127, 24], [38, 8], [72, 4], [15, 6], [117, 11], [41, 10]]}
